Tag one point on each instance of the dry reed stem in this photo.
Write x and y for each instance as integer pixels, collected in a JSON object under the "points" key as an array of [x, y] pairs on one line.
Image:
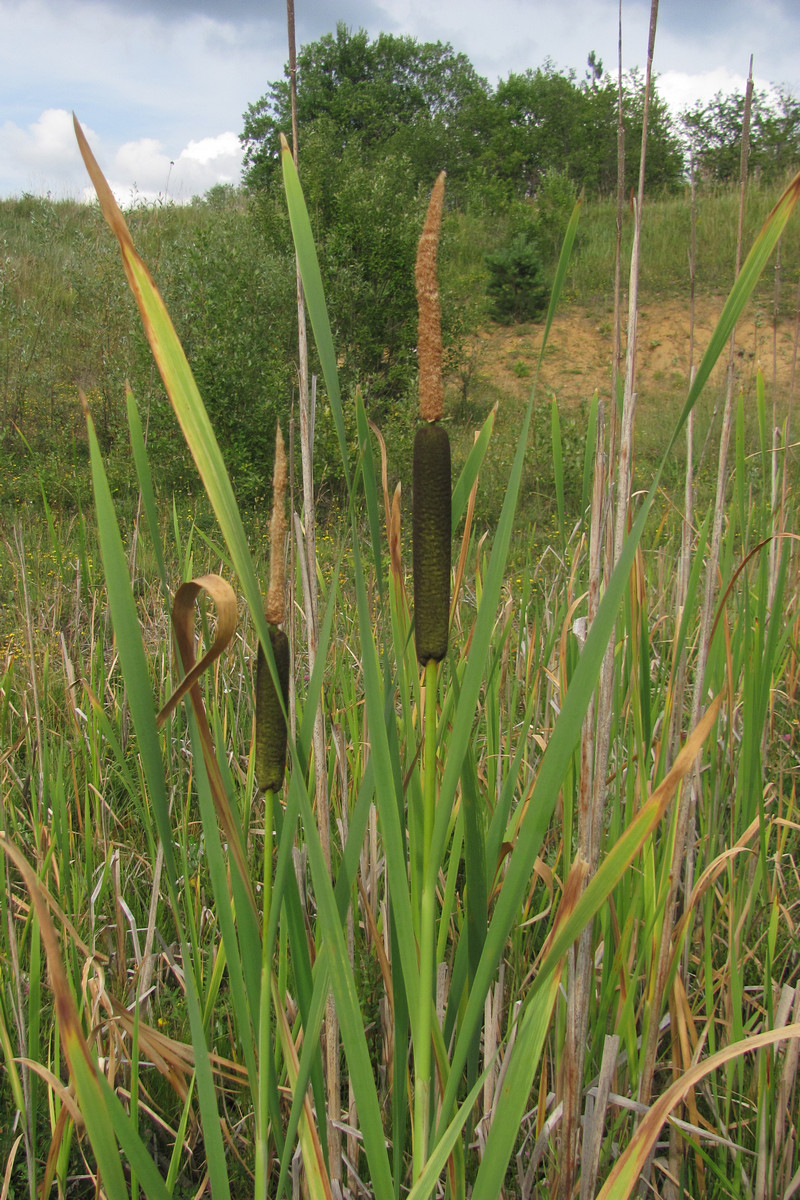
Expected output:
{"points": [[596, 737], [596, 1119], [620, 216], [276, 604], [392, 510], [684, 852], [429, 338], [590, 815]]}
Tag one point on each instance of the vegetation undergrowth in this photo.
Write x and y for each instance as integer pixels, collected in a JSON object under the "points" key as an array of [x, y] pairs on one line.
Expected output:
{"points": [[172, 934], [226, 277]]}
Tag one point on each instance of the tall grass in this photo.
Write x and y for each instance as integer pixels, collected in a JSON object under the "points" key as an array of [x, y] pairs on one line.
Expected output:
{"points": [[192, 929]]}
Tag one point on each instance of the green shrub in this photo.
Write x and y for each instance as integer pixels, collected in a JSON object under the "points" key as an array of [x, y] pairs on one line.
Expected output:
{"points": [[555, 199]]}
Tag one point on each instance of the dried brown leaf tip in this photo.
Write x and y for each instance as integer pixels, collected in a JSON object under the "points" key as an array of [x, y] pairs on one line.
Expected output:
{"points": [[429, 343], [275, 609], [394, 536]]}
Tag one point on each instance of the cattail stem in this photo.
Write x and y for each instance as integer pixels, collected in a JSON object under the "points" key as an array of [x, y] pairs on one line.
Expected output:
{"points": [[427, 934], [272, 708], [265, 1050]]}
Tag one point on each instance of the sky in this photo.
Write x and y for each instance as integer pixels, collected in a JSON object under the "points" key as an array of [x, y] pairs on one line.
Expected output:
{"points": [[160, 86]]}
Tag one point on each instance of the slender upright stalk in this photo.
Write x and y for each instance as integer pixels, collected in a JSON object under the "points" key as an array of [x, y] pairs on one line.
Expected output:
{"points": [[773, 546], [37, 711], [589, 825], [265, 1052], [309, 547], [601, 740], [292, 73], [270, 764], [719, 501], [617, 359], [684, 850], [427, 940], [629, 401], [793, 376], [684, 563]]}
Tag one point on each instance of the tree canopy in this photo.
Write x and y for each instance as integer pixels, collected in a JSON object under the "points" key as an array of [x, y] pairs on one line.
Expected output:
{"points": [[392, 96], [395, 97]]}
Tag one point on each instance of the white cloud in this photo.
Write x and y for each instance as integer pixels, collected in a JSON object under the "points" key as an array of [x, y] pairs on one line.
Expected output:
{"points": [[213, 149], [44, 156], [142, 169], [130, 73], [680, 89]]}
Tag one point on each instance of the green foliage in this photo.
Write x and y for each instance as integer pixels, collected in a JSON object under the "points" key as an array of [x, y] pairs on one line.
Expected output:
{"points": [[232, 294], [517, 286], [423, 104], [378, 118], [368, 266], [393, 96], [554, 202], [223, 265], [377, 121]]}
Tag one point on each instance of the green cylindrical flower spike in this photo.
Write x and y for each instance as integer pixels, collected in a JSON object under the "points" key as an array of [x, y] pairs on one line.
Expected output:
{"points": [[270, 718], [431, 542]]}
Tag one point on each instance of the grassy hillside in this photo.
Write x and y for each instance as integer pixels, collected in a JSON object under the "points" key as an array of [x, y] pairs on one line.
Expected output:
{"points": [[226, 273]]}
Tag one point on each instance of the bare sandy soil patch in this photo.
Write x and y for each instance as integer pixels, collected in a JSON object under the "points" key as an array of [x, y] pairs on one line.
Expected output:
{"points": [[579, 355]]}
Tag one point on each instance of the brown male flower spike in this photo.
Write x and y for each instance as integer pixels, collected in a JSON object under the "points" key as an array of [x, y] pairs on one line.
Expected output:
{"points": [[271, 707], [429, 338], [277, 533]]}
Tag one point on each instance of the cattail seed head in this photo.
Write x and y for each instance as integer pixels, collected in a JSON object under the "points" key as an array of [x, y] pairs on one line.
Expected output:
{"points": [[431, 542], [270, 761], [429, 338]]}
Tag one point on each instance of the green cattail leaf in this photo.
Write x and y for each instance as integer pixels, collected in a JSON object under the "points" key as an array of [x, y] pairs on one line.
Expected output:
{"points": [[431, 542], [271, 713]]}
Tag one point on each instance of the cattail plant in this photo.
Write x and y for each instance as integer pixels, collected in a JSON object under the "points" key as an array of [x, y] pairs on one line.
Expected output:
{"points": [[272, 705], [431, 561], [472, 809]]}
